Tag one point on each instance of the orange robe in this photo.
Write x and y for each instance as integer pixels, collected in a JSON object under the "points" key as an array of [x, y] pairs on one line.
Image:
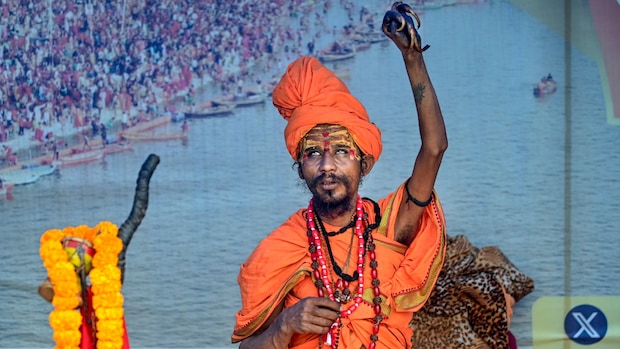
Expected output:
{"points": [[280, 269]]}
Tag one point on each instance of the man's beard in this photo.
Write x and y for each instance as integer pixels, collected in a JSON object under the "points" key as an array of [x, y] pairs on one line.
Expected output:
{"points": [[332, 207]]}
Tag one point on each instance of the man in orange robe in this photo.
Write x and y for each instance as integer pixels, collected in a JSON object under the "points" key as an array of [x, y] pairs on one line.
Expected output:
{"points": [[347, 272]]}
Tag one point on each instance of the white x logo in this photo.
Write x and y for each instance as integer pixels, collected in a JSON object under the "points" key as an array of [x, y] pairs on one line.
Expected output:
{"points": [[585, 325]]}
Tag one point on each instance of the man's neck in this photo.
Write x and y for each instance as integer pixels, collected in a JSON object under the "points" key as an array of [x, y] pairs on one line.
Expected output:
{"points": [[339, 216], [336, 214]]}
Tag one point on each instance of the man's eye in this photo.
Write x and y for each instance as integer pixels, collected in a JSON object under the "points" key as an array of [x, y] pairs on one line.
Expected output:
{"points": [[342, 151], [313, 153]]}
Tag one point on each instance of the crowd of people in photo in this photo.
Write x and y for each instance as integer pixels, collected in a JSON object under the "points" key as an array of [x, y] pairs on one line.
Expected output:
{"points": [[66, 61]]}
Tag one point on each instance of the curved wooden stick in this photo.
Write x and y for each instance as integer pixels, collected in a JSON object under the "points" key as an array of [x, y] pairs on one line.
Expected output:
{"points": [[138, 210]]}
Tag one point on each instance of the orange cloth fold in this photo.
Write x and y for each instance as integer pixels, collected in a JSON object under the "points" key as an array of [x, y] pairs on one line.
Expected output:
{"points": [[309, 94], [279, 270]]}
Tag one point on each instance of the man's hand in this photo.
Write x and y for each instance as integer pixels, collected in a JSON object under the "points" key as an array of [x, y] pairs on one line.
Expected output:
{"points": [[398, 25], [310, 315]]}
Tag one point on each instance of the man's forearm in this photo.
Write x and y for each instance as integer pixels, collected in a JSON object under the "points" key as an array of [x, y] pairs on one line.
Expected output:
{"points": [[273, 337], [432, 128]]}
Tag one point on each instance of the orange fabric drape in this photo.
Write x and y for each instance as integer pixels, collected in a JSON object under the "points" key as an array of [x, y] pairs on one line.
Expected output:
{"points": [[279, 270]]}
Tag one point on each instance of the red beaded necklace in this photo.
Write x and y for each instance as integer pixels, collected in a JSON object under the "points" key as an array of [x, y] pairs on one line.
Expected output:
{"points": [[321, 273]]}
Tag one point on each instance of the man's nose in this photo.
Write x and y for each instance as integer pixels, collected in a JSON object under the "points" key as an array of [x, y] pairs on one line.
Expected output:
{"points": [[327, 162]]}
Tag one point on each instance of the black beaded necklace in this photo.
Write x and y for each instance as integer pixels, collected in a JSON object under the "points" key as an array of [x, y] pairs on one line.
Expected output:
{"points": [[367, 229]]}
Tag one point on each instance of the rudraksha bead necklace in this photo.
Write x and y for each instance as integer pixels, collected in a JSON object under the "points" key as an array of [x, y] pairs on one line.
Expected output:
{"points": [[322, 279]]}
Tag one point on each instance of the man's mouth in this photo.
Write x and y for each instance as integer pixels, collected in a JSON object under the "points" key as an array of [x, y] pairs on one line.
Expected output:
{"points": [[328, 184]]}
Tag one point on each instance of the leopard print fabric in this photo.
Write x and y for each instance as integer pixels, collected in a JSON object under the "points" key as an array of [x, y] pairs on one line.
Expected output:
{"points": [[467, 308]]}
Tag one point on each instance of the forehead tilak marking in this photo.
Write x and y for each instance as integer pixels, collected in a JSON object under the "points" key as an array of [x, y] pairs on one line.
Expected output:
{"points": [[329, 134], [328, 137]]}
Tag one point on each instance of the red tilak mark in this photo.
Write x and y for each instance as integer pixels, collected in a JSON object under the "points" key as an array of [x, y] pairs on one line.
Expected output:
{"points": [[305, 157], [325, 134], [352, 153], [326, 144]]}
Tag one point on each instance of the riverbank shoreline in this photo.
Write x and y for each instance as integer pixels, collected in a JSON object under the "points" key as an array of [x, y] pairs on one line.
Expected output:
{"points": [[32, 144]]}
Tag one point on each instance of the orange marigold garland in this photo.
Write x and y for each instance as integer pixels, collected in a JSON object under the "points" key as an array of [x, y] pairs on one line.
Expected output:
{"points": [[105, 278]]}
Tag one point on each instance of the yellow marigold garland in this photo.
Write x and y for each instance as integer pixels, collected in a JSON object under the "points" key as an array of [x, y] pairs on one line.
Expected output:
{"points": [[105, 279]]}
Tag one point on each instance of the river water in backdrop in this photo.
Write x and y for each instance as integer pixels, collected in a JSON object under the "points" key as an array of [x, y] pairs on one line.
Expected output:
{"points": [[516, 175]]}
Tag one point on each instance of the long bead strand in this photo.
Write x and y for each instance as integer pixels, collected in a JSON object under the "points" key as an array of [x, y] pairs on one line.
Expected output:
{"points": [[321, 272]]}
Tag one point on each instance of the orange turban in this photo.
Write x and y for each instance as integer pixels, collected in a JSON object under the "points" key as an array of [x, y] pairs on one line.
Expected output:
{"points": [[309, 94]]}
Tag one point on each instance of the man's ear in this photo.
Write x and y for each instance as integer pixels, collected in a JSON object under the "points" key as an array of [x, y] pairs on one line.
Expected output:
{"points": [[368, 161]]}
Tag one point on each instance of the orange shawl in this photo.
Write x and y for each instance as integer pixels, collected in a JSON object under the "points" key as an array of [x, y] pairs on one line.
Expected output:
{"points": [[279, 270]]}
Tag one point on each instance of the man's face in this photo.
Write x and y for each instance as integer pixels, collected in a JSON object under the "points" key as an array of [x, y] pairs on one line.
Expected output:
{"points": [[330, 165]]}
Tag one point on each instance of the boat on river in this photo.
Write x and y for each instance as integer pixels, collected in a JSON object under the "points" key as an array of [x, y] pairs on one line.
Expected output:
{"points": [[336, 51], [214, 109], [370, 36], [152, 136], [334, 57], [545, 87], [331, 55], [113, 146], [82, 157], [117, 147], [148, 125], [147, 131], [27, 174], [243, 99], [421, 5]]}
